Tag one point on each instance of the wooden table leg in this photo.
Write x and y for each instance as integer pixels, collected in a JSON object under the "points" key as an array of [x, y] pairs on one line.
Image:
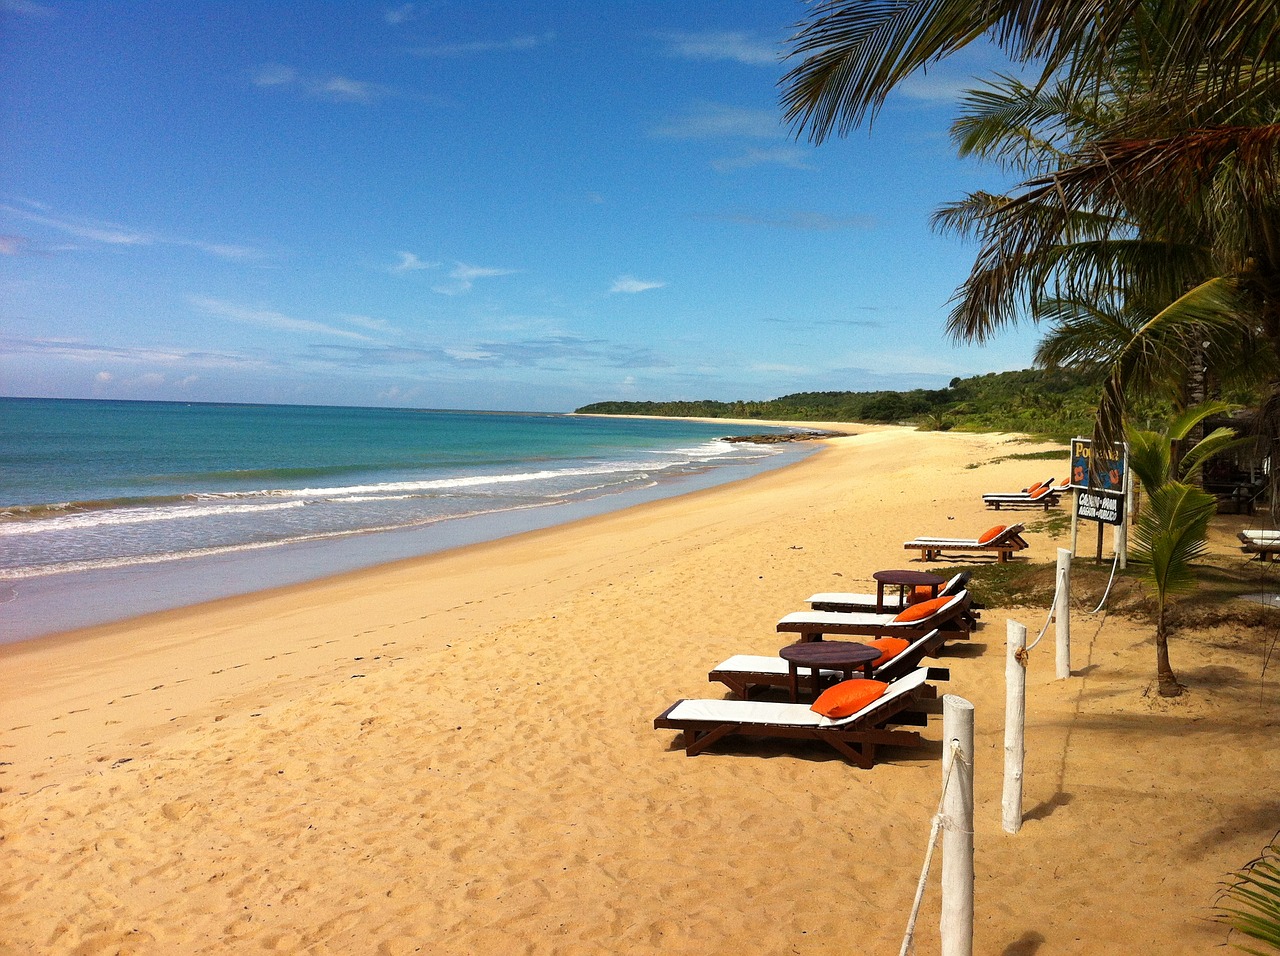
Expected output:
{"points": [[795, 690]]}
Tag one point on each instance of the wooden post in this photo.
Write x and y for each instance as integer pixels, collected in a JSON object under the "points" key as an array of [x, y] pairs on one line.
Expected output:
{"points": [[957, 826], [1075, 519], [1062, 614], [1015, 713], [1099, 555]]}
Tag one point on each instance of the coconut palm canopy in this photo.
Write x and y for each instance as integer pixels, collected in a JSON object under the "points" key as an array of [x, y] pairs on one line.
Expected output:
{"points": [[1149, 153]]}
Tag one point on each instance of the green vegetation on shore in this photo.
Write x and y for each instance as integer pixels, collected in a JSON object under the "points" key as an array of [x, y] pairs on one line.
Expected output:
{"points": [[1057, 403]]}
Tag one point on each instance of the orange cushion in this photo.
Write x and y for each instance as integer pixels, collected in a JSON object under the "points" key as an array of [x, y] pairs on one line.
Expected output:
{"points": [[848, 697], [889, 648], [992, 533], [1039, 492], [1034, 488], [920, 611], [920, 593]]}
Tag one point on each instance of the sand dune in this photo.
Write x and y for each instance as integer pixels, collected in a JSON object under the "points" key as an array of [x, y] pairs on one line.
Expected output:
{"points": [[456, 754]]}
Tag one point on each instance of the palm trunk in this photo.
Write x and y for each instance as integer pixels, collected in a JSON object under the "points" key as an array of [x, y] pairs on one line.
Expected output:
{"points": [[1168, 683]]}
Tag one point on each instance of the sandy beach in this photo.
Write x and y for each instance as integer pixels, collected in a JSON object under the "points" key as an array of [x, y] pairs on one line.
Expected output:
{"points": [[455, 754]]}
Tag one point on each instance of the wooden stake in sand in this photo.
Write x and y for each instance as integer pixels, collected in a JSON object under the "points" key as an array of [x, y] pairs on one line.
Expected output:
{"points": [[1015, 712], [957, 826]]}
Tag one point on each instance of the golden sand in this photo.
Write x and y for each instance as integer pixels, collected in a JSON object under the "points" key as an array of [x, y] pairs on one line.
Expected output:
{"points": [[455, 754]]}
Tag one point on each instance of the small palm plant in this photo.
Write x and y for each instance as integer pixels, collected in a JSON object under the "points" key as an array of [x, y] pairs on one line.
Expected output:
{"points": [[1251, 903], [1173, 528]]}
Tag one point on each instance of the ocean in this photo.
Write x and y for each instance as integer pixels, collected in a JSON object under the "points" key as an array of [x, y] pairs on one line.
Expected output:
{"points": [[110, 508]]}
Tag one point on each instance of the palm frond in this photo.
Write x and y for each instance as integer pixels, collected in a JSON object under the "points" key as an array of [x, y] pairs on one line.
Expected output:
{"points": [[1171, 533], [1251, 902], [1210, 306]]}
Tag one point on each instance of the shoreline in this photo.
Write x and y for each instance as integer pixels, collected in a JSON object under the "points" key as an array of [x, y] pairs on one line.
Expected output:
{"points": [[456, 754], [43, 606]]}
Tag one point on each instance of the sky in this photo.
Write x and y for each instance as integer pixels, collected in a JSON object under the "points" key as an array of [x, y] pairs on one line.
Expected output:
{"points": [[509, 206]]}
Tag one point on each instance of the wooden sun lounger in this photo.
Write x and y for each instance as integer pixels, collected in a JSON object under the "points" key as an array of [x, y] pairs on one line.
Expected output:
{"points": [[952, 619], [704, 722], [1045, 499], [745, 674], [1004, 544], [1265, 544], [857, 601]]}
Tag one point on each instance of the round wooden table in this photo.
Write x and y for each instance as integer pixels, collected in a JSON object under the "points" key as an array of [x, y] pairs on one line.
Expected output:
{"points": [[843, 656], [904, 579]]}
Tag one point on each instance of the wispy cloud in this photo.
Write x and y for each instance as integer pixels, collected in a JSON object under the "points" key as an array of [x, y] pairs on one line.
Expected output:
{"points": [[398, 15], [409, 262], [80, 351], [336, 89], [116, 235], [525, 42], [735, 46], [630, 283], [270, 319], [789, 156], [368, 322], [553, 350], [12, 245], [797, 219], [713, 120], [26, 8], [464, 277]]}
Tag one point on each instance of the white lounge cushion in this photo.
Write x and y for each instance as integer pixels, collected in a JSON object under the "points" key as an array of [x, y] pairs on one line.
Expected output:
{"points": [[772, 713]]}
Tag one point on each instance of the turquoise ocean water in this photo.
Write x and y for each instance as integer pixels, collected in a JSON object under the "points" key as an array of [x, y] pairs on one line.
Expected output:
{"points": [[192, 501]]}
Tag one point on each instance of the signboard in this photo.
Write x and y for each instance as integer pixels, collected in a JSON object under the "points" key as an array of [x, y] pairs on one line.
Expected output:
{"points": [[1099, 476], [1109, 509], [1101, 470]]}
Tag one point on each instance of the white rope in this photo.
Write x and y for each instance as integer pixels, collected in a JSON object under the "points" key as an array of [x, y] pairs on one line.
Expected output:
{"points": [[1057, 588], [909, 938], [1105, 594]]}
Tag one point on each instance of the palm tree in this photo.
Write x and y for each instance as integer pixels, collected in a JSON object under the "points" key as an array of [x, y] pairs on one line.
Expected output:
{"points": [[1149, 146], [1173, 527]]}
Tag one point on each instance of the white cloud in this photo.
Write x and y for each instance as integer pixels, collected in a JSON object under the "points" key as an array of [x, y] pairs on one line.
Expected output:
{"points": [[410, 263], [114, 235], [713, 120], [735, 46], [270, 319], [103, 232], [26, 8], [337, 89], [789, 156], [632, 284], [464, 277], [470, 354], [273, 74], [367, 322], [104, 377], [11, 245], [347, 90], [398, 15], [525, 42]]}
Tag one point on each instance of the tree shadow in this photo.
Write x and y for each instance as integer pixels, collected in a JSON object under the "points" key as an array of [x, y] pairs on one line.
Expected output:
{"points": [[1045, 809], [1026, 945]]}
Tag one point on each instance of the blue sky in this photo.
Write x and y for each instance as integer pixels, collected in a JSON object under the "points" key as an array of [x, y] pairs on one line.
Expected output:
{"points": [[518, 206]]}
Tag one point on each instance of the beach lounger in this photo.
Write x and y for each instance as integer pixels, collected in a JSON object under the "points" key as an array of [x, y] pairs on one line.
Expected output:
{"points": [[704, 722], [858, 601], [947, 615], [1265, 544], [1045, 495], [745, 674], [1004, 541]]}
